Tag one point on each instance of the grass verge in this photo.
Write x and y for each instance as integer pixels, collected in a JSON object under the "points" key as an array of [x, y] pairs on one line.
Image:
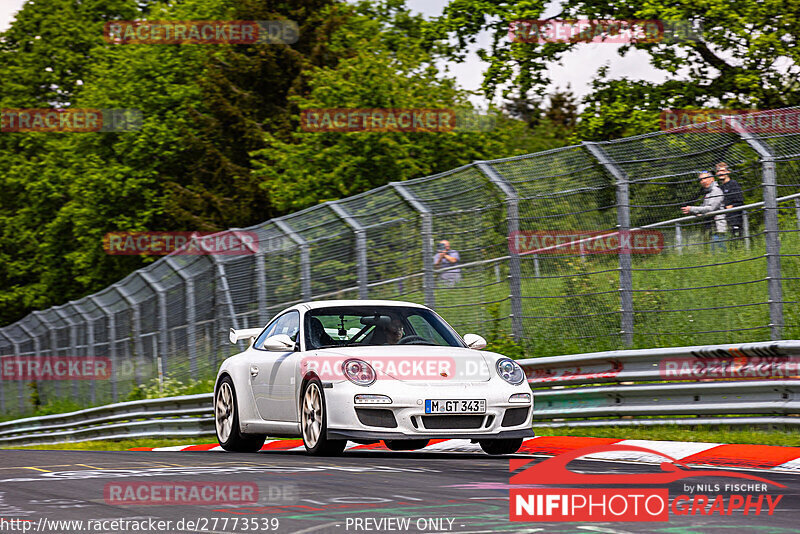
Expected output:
{"points": [[707, 434], [121, 445]]}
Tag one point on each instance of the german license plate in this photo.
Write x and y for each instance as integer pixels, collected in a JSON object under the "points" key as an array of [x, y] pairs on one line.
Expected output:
{"points": [[455, 406]]}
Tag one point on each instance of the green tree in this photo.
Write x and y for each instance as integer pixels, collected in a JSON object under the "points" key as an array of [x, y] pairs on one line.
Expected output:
{"points": [[716, 54]]}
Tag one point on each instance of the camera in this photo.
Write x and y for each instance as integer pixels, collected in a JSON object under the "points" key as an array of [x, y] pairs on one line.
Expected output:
{"points": [[439, 247]]}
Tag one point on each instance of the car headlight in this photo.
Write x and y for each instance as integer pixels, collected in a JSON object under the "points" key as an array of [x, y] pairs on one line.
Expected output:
{"points": [[510, 371], [358, 372]]}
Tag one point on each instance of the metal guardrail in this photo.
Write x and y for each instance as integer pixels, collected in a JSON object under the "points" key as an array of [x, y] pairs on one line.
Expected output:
{"points": [[188, 415], [590, 389], [738, 384]]}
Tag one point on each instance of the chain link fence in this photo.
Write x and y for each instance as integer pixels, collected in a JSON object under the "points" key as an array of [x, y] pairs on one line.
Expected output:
{"points": [[171, 318]]}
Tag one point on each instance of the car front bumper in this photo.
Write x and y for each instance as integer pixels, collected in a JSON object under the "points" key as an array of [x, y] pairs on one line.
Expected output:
{"points": [[408, 411]]}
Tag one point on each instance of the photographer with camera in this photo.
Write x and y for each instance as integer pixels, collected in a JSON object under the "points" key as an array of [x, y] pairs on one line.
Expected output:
{"points": [[446, 257]]}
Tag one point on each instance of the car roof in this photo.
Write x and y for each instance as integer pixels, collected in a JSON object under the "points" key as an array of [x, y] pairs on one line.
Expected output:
{"points": [[332, 303]]}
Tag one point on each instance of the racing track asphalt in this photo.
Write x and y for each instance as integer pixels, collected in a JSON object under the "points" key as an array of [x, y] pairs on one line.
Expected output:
{"points": [[327, 495]]}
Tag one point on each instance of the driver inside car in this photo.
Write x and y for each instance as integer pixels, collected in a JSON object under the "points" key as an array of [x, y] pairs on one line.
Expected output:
{"points": [[319, 337], [388, 335]]}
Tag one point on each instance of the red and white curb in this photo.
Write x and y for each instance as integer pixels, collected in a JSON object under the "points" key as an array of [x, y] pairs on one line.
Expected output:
{"points": [[767, 457]]}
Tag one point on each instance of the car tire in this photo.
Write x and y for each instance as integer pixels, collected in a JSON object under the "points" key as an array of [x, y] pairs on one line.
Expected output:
{"points": [[226, 421], [406, 444], [501, 446], [314, 422]]}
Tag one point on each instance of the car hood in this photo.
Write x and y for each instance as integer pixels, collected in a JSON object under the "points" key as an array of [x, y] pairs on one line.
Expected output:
{"points": [[419, 363]]}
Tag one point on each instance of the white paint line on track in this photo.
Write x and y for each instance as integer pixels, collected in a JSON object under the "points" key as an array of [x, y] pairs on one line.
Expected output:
{"points": [[792, 466], [454, 445], [675, 449]]}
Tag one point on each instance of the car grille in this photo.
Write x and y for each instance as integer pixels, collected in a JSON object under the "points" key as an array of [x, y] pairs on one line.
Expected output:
{"points": [[452, 421], [515, 416], [372, 417]]}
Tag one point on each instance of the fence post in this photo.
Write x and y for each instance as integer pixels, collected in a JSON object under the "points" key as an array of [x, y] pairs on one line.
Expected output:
{"points": [[112, 346], [161, 295], [624, 226], [2, 389], [305, 257], [191, 332], [797, 211], [260, 265], [678, 238], [21, 383], [772, 237], [361, 247], [771, 230], [428, 282], [138, 347], [73, 345], [90, 348], [226, 291], [746, 229], [37, 347], [515, 268]]}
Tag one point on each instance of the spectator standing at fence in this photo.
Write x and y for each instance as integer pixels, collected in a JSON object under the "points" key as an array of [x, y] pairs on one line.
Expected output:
{"points": [[712, 201], [447, 257], [732, 198]]}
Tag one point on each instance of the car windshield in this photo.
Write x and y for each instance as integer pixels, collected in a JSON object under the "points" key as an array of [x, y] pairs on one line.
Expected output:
{"points": [[361, 326]]}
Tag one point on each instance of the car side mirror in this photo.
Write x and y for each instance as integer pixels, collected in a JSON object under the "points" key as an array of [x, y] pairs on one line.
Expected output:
{"points": [[474, 341], [279, 343]]}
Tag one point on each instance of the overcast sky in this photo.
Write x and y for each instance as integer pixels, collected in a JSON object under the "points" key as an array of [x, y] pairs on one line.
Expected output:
{"points": [[577, 69]]}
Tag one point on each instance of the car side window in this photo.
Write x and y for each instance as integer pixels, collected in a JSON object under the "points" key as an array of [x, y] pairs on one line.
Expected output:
{"points": [[259, 344], [288, 324]]}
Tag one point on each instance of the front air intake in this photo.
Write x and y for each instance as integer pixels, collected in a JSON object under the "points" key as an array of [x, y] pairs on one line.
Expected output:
{"points": [[373, 417], [452, 422], [515, 416]]}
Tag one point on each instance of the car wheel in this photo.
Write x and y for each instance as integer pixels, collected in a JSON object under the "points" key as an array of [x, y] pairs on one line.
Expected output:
{"points": [[226, 421], [406, 444], [501, 446], [314, 422]]}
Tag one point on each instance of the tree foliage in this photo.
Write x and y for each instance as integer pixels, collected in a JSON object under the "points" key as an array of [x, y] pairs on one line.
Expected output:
{"points": [[219, 144], [739, 55]]}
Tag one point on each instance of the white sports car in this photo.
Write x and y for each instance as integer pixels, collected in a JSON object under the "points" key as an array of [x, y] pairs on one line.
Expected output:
{"points": [[366, 371]]}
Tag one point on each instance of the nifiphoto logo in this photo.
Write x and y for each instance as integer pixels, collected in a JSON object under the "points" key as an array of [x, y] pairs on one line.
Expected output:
{"points": [[545, 491]]}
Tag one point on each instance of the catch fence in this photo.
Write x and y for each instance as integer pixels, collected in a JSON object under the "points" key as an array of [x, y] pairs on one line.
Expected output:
{"points": [[171, 318]]}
